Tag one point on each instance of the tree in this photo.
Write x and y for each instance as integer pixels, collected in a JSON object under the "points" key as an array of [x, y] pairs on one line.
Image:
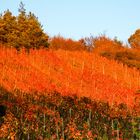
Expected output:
{"points": [[118, 42], [134, 39], [7, 28], [35, 32], [59, 42], [89, 42], [22, 31], [1, 29], [22, 40], [31, 34]]}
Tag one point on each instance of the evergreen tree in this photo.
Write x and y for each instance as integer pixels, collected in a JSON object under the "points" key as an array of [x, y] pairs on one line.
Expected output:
{"points": [[31, 34], [22, 40], [2, 32], [7, 28], [22, 31], [37, 37]]}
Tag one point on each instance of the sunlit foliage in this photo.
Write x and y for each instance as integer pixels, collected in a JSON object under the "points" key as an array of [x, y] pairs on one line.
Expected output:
{"points": [[21, 31], [134, 39], [68, 72], [59, 42]]}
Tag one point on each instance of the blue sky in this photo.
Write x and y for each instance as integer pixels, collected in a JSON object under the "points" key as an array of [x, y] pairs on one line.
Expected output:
{"points": [[80, 18]]}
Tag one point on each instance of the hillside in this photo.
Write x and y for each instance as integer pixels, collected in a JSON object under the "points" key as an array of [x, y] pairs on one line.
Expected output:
{"points": [[76, 88], [66, 72], [60, 94]]}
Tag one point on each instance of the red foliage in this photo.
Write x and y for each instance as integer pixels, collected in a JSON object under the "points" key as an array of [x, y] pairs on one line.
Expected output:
{"points": [[59, 42], [81, 73]]}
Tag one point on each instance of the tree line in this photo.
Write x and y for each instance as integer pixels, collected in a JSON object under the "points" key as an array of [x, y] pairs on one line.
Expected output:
{"points": [[25, 31], [21, 31]]}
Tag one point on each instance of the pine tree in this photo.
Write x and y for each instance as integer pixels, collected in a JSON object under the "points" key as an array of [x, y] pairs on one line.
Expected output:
{"points": [[2, 32], [31, 34], [7, 28], [22, 31], [37, 37], [23, 40]]}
